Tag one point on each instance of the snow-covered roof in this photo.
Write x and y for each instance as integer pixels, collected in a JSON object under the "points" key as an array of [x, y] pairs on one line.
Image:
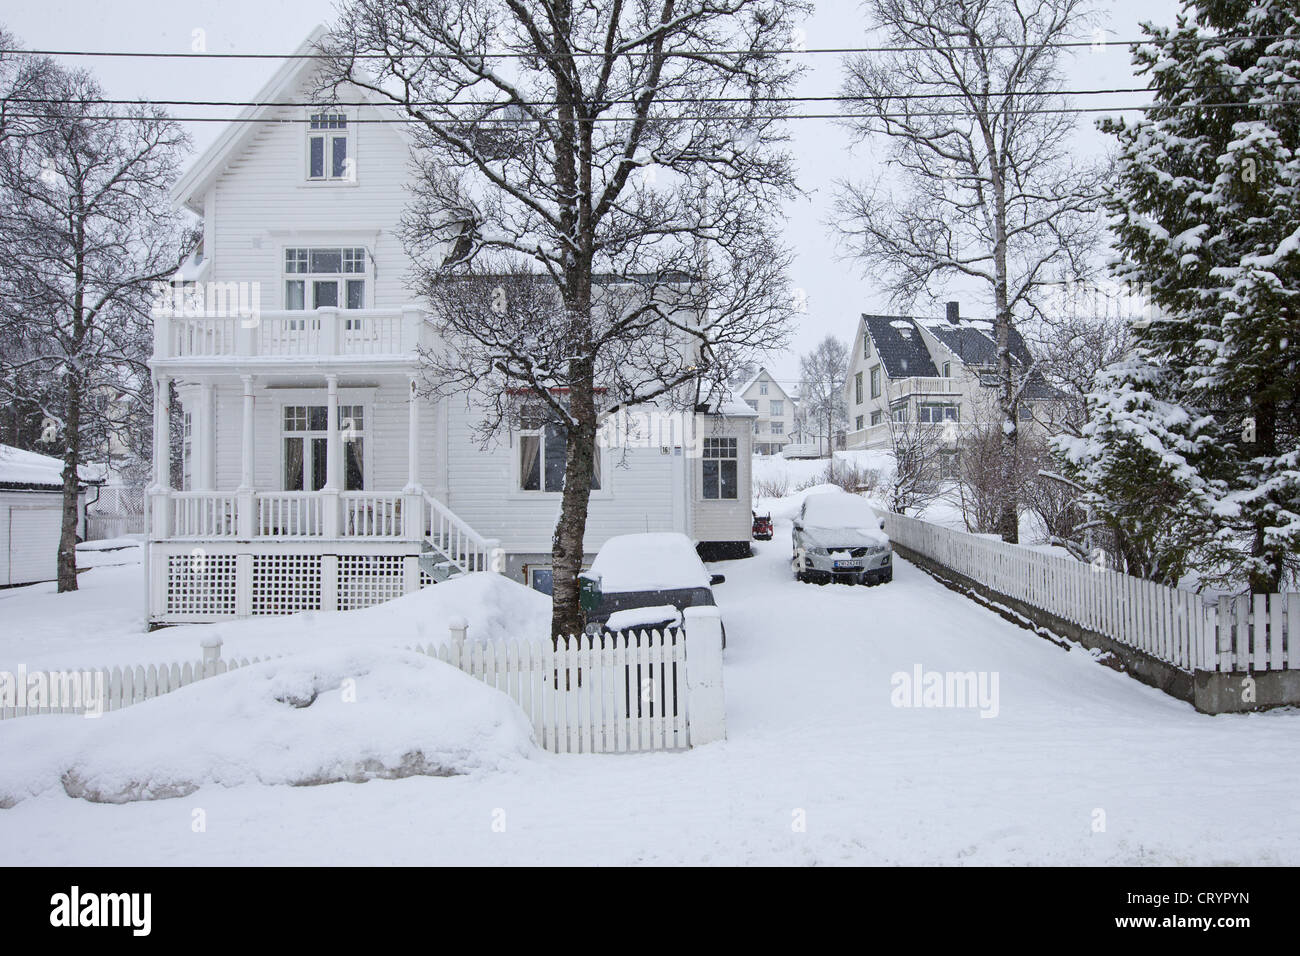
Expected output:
{"points": [[26, 469], [20, 469], [654, 561]]}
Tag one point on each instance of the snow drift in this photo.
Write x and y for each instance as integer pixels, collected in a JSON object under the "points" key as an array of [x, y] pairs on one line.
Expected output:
{"points": [[342, 714]]}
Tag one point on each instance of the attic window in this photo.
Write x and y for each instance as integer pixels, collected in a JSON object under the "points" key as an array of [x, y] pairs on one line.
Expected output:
{"points": [[328, 148]]}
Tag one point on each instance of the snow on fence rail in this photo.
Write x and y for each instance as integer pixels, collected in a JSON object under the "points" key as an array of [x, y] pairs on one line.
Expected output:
{"points": [[589, 694], [1233, 633]]}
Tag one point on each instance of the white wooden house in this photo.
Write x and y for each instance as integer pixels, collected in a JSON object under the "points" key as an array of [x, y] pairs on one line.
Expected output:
{"points": [[315, 478], [932, 371], [775, 408]]}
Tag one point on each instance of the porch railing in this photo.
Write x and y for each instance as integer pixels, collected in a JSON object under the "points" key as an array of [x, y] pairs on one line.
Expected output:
{"points": [[289, 514], [204, 515], [306, 515]]}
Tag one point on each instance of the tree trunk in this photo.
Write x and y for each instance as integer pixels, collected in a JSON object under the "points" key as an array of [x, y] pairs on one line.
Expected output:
{"points": [[1266, 573], [567, 616], [1008, 520], [67, 565]]}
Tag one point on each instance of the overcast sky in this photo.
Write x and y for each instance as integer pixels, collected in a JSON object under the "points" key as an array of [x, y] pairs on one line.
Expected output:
{"points": [[833, 288]]}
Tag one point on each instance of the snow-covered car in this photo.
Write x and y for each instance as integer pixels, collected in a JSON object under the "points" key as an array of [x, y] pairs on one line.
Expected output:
{"points": [[838, 536], [645, 582]]}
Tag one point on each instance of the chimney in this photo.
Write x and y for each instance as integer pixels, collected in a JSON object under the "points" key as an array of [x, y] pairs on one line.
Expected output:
{"points": [[954, 313]]}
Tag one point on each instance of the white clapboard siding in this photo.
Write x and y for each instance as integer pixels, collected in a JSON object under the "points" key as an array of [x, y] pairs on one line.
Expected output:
{"points": [[1242, 632]]}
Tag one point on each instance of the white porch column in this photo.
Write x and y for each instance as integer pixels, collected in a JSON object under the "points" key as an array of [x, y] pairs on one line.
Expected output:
{"points": [[333, 459], [204, 443], [246, 503], [413, 493], [160, 492]]}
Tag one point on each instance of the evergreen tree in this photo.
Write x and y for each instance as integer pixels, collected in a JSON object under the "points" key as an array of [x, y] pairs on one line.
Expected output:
{"points": [[1207, 218]]}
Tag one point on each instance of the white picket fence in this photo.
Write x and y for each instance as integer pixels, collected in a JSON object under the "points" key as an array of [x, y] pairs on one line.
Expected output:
{"points": [[1233, 633], [588, 694]]}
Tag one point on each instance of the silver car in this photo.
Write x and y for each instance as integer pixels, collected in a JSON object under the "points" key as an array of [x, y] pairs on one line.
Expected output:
{"points": [[839, 537]]}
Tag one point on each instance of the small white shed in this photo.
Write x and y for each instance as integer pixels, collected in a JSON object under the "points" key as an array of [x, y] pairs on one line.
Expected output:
{"points": [[31, 509]]}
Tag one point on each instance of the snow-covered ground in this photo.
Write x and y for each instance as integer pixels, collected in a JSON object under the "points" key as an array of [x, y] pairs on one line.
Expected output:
{"points": [[1080, 765]]}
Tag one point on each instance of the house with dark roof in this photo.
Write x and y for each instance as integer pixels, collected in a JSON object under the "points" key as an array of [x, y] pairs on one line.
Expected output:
{"points": [[906, 368]]}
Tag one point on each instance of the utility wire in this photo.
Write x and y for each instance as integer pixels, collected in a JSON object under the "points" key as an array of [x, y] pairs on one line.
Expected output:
{"points": [[747, 117], [836, 98], [531, 55]]}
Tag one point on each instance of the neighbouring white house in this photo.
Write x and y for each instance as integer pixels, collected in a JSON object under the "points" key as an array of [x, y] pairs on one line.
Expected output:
{"points": [[934, 371], [31, 515], [775, 408], [314, 476]]}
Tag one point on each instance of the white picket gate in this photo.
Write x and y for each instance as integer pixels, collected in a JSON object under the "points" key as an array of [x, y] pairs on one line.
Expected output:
{"points": [[588, 694], [1231, 633]]}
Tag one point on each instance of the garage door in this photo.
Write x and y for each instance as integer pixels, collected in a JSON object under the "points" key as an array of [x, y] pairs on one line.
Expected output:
{"points": [[33, 543]]}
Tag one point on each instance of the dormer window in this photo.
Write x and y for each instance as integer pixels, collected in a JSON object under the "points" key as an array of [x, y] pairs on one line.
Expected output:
{"points": [[328, 148]]}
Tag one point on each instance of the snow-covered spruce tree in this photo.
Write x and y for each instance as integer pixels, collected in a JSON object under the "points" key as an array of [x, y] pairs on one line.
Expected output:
{"points": [[1207, 216], [1138, 462], [983, 185], [628, 157], [86, 229]]}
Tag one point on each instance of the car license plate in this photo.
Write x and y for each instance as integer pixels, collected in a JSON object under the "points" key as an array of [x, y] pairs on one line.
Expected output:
{"points": [[848, 565]]}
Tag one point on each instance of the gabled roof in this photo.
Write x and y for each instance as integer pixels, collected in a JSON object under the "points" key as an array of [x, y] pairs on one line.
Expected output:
{"points": [[740, 392], [189, 190], [899, 345]]}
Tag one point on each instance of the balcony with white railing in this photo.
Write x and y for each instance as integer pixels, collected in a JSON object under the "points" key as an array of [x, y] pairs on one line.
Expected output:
{"points": [[360, 333], [924, 385]]}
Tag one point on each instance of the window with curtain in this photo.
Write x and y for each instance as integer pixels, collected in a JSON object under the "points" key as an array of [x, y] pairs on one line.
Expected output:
{"points": [[542, 442], [305, 438]]}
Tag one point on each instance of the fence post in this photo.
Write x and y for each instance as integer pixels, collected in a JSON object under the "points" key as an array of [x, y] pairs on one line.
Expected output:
{"points": [[211, 654], [704, 693], [458, 627]]}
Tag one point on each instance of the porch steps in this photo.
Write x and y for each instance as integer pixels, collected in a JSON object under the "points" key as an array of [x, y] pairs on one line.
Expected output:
{"points": [[451, 547]]}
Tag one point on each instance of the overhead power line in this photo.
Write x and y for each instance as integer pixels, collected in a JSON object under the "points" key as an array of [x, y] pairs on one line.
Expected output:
{"points": [[835, 98], [789, 51], [748, 117]]}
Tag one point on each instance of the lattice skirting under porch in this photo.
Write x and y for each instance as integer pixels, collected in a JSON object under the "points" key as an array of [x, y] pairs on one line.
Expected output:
{"points": [[208, 582]]}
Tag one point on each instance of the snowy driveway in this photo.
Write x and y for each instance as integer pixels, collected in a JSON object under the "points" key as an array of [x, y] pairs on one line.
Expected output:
{"points": [[1080, 765]]}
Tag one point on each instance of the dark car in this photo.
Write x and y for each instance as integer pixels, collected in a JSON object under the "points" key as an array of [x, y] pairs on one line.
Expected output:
{"points": [[645, 582], [762, 526]]}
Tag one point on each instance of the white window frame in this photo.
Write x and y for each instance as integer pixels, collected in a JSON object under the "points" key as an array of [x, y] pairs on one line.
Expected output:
{"points": [[778, 428], [762, 388], [776, 407], [857, 388], [875, 381], [925, 413], [348, 253], [365, 397], [709, 445], [328, 135], [187, 451], [600, 472]]}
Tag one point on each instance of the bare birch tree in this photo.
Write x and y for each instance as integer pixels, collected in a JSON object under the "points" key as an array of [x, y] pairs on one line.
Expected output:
{"points": [[821, 387], [87, 229], [987, 188], [599, 186]]}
